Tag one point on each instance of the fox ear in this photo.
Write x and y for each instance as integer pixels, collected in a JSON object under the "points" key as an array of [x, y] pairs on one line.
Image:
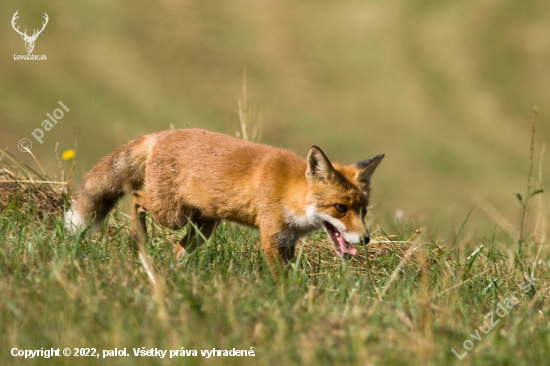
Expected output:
{"points": [[367, 167], [319, 168]]}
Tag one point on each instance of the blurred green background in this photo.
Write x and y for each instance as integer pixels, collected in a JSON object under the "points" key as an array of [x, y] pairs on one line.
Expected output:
{"points": [[444, 89]]}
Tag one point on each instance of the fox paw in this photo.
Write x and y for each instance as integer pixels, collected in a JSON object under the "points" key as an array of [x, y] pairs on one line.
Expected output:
{"points": [[179, 251]]}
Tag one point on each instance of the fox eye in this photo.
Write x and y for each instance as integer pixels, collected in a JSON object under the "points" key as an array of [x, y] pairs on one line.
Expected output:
{"points": [[341, 208]]}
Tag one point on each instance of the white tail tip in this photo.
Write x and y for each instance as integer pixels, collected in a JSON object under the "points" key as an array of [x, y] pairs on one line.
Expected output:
{"points": [[73, 221]]}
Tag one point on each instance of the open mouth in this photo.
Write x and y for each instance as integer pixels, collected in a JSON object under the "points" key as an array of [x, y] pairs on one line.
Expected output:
{"points": [[337, 239]]}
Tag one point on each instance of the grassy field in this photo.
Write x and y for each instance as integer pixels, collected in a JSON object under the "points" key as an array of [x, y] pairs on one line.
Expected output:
{"points": [[410, 297], [445, 90]]}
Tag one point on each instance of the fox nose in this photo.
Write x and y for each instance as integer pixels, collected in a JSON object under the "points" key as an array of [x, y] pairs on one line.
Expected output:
{"points": [[365, 240]]}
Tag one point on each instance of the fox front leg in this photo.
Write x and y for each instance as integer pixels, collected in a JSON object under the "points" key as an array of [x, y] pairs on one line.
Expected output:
{"points": [[278, 249]]}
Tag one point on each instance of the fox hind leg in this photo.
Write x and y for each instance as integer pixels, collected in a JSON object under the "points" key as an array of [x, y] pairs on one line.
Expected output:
{"points": [[198, 229], [139, 208], [195, 222]]}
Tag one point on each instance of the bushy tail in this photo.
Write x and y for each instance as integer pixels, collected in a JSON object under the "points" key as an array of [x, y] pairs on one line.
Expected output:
{"points": [[106, 182]]}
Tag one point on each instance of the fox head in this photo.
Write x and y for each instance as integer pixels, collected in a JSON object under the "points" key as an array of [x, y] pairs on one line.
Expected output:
{"points": [[340, 196]]}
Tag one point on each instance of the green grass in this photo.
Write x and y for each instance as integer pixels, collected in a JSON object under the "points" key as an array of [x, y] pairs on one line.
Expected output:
{"points": [[408, 306]]}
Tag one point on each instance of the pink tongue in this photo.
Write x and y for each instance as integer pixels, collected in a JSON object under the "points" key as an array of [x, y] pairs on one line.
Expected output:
{"points": [[344, 246]]}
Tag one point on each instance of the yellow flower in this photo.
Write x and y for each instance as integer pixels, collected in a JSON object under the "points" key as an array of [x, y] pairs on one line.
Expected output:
{"points": [[68, 155]]}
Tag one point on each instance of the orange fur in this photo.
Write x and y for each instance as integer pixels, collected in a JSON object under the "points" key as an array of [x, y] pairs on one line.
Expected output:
{"points": [[204, 177]]}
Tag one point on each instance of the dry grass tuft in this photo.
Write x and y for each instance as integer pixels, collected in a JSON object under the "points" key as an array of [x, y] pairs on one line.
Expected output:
{"points": [[28, 191], [380, 247]]}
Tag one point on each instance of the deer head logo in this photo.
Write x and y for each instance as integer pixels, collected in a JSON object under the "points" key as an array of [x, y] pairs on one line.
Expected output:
{"points": [[29, 41]]}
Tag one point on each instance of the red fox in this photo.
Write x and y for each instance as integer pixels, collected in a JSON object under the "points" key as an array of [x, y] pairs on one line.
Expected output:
{"points": [[202, 177]]}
